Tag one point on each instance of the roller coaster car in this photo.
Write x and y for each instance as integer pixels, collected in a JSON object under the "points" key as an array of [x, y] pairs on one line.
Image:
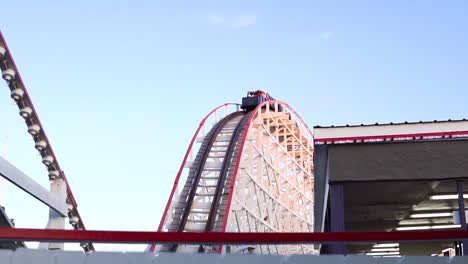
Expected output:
{"points": [[254, 98]]}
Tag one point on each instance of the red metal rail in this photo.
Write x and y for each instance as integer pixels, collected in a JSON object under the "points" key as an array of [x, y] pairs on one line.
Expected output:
{"points": [[20, 234]]}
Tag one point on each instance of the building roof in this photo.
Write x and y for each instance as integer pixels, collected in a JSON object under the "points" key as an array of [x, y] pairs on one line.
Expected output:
{"points": [[392, 123], [391, 131]]}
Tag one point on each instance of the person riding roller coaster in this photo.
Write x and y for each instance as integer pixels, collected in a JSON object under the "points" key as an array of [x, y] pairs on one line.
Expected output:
{"points": [[261, 94], [254, 98]]}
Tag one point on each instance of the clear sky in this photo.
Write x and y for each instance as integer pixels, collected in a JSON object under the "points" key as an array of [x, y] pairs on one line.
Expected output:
{"points": [[121, 86]]}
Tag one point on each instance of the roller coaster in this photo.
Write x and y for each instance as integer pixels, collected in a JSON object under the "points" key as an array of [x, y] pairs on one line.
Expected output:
{"points": [[252, 172]]}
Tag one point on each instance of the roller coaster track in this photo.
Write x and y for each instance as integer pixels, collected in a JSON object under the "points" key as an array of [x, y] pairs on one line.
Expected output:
{"points": [[21, 97], [253, 172], [199, 204]]}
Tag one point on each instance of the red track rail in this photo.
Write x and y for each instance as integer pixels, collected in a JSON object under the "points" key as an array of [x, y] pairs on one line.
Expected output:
{"points": [[19, 234], [28, 98]]}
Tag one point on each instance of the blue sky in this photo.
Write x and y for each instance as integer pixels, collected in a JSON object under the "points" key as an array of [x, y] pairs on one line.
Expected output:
{"points": [[120, 86]]}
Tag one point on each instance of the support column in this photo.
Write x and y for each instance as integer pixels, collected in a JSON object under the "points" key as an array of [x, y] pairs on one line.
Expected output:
{"points": [[461, 210], [337, 215], [56, 221]]}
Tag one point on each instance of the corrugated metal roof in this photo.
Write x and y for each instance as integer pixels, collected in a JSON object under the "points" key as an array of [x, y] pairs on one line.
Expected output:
{"points": [[397, 123]]}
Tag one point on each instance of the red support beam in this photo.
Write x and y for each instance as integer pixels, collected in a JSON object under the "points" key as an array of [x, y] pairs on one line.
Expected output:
{"points": [[20, 234]]}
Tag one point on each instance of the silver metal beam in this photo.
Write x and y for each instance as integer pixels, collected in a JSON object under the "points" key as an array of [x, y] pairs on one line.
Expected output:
{"points": [[24, 182]]}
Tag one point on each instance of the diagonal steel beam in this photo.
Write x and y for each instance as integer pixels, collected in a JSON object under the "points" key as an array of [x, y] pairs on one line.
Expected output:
{"points": [[24, 182]]}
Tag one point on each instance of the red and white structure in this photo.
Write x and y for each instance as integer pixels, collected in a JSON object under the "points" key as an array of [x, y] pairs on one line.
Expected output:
{"points": [[245, 171]]}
